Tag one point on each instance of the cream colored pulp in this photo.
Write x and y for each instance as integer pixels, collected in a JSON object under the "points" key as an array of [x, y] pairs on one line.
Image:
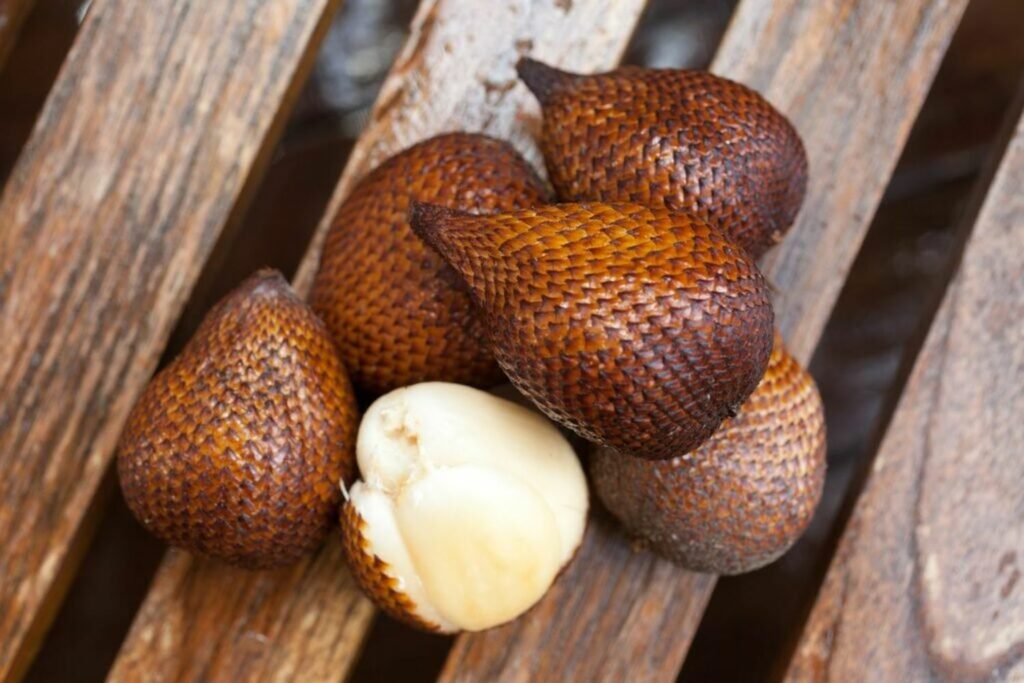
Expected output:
{"points": [[474, 502]]}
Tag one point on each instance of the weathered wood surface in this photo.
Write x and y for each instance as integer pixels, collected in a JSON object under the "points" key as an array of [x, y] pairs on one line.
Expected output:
{"points": [[615, 615], [852, 75], [926, 581], [456, 71], [205, 621], [155, 128], [12, 16]]}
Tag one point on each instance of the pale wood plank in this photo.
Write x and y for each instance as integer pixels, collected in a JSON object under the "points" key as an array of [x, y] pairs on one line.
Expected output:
{"points": [[926, 581], [158, 124], [12, 16], [852, 75], [456, 72]]}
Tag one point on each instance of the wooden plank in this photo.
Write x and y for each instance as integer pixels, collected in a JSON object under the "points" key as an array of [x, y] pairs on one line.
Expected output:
{"points": [[12, 16], [153, 133], [926, 581], [209, 621], [456, 71], [851, 74]]}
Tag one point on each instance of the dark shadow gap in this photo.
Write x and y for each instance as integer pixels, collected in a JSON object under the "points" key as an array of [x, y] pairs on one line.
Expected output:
{"points": [[29, 72], [396, 652], [875, 331]]}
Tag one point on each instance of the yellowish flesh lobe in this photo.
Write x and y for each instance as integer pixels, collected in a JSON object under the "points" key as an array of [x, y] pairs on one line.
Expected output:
{"points": [[474, 502], [484, 545]]}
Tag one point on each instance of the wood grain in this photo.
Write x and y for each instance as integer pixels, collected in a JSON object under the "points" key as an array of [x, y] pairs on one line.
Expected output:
{"points": [[926, 581], [455, 72], [12, 16], [851, 74], [154, 130], [615, 615], [301, 623]]}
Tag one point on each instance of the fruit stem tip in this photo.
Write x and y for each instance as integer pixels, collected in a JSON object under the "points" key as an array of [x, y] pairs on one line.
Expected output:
{"points": [[266, 280], [542, 80], [426, 220], [268, 273]]}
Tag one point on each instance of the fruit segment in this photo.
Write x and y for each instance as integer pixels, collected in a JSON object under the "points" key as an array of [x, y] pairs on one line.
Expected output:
{"points": [[468, 507], [485, 544]]}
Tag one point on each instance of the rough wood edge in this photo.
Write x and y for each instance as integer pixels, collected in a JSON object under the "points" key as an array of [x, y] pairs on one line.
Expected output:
{"points": [[814, 651]]}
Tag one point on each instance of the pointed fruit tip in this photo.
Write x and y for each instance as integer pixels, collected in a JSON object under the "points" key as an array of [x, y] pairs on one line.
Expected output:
{"points": [[268, 275], [427, 219], [265, 280], [542, 80]]}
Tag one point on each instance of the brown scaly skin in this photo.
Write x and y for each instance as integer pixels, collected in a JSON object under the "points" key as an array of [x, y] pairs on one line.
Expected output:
{"points": [[743, 498], [639, 328], [235, 450], [395, 309], [371, 573], [686, 139]]}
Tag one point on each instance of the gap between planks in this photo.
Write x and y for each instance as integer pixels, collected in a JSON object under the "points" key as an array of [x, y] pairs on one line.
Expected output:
{"points": [[12, 16]]}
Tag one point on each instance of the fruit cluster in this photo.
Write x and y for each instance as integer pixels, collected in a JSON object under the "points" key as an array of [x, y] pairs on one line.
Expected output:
{"points": [[631, 312]]}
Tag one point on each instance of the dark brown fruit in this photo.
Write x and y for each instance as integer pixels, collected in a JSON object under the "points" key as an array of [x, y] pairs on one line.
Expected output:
{"points": [[236, 449], [397, 312], [743, 498], [686, 139], [636, 327]]}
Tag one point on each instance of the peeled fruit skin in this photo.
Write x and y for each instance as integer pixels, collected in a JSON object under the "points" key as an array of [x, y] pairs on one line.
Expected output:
{"points": [[468, 507], [236, 448], [397, 312], [742, 499], [638, 328], [689, 140]]}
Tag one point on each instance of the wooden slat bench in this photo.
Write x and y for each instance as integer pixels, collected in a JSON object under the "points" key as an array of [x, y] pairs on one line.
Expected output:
{"points": [[149, 146]]}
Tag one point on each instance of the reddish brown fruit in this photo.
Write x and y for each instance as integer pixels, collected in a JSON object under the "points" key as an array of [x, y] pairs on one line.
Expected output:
{"points": [[686, 139], [395, 309], [636, 327], [236, 449], [743, 498]]}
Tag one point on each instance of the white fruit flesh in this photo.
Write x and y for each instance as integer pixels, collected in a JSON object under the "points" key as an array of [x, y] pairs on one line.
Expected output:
{"points": [[474, 502]]}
